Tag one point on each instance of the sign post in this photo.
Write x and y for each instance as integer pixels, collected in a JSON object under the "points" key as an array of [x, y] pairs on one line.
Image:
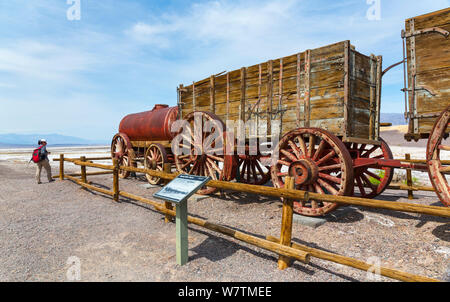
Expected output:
{"points": [[178, 191]]}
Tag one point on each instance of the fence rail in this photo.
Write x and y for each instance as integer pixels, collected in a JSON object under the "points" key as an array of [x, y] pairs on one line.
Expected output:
{"points": [[281, 246]]}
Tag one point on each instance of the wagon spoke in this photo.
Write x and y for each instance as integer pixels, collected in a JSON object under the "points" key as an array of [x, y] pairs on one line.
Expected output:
{"points": [[360, 186], [372, 175], [258, 166], [327, 186], [312, 144], [295, 149], [318, 188], [210, 170], [213, 164], [367, 182], [319, 150], [326, 158], [330, 178], [331, 167], [289, 155], [302, 144], [367, 154], [282, 162], [255, 175], [215, 157]]}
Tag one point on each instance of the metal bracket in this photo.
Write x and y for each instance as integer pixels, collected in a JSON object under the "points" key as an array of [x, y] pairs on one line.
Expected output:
{"points": [[426, 88], [437, 30]]}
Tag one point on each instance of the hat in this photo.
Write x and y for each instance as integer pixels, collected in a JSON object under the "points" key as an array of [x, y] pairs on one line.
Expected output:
{"points": [[43, 140]]}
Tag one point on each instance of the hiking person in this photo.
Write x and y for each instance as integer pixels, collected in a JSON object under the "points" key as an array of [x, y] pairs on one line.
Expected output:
{"points": [[40, 157]]}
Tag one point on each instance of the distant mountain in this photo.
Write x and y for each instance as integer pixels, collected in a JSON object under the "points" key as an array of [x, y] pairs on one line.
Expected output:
{"points": [[393, 118], [27, 140]]}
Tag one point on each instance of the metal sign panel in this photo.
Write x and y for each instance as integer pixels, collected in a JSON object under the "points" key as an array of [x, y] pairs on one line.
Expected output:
{"points": [[181, 188]]}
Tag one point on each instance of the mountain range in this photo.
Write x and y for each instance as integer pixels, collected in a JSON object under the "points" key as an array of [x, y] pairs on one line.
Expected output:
{"points": [[11, 140], [393, 118]]}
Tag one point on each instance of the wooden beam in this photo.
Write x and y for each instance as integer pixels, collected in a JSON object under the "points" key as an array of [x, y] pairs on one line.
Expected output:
{"points": [[257, 241], [212, 94], [298, 85], [307, 103], [167, 168], [387, 272], [286, 224], [242, 106], [116, 179], [302, 195], [83, 169], [61, 167], [347, 92], [228, 96], [269, 96]]}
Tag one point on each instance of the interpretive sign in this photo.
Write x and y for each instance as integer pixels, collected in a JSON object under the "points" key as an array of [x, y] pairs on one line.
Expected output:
{"points": [[181, 188], [178, 191]]}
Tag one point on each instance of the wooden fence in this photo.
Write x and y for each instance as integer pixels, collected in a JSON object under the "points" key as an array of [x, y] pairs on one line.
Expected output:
{"points": [[282, 246]]}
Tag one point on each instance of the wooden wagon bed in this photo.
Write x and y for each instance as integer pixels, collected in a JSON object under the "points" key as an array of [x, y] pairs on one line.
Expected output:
{"points": [[334, 88], [428, 70]]}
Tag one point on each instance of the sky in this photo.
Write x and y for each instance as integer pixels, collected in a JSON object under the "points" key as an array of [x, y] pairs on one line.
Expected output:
{"points": [[79, 72]]}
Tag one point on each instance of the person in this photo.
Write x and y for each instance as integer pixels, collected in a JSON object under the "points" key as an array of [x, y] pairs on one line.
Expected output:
{"points": [[43, 163]]}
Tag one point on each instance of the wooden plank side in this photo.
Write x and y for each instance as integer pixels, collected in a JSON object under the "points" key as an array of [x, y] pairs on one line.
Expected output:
{"points": [[428, 82], [432, 19], [305, 89]]}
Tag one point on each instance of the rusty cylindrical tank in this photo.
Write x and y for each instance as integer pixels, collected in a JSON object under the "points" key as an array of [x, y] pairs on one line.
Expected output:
{"points": [[153, 125]]}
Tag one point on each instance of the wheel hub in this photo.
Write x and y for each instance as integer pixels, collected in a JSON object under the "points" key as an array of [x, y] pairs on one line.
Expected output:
{"points": [[304, 171]]}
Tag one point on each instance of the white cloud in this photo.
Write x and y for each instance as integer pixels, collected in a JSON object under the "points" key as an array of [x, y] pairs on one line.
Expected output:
{"points": [[33, 59]]}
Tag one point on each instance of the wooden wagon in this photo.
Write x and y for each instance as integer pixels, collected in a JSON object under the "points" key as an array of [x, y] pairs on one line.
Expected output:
{"points": [[320, 110]]}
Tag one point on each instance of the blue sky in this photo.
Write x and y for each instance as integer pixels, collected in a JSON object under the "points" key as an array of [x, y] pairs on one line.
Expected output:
{"points": [[81, 77]]}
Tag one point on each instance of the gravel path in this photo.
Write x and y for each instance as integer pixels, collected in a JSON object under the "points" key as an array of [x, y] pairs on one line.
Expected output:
{"points": [[42, 226]]}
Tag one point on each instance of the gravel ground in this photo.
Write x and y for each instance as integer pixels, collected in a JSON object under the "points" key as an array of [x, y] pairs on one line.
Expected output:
{"points": [[42, 226]]}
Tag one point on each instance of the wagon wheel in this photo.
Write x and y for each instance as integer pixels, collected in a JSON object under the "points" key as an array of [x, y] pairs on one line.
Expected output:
{"points": [[436, 169], [122, 150], [319, 162], [157, 153], [206, 155], [253, 169], [371, 182]]}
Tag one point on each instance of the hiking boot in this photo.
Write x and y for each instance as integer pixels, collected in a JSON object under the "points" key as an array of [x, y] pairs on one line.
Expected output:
{"points": [[39, 182], [51, 180]]}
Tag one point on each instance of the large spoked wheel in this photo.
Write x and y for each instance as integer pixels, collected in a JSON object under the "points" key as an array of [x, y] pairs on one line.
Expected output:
{"points": [[370, 182], [253, 169], [122, 150], [437, 149], [200, 149], [319, 163], [155, 153]]}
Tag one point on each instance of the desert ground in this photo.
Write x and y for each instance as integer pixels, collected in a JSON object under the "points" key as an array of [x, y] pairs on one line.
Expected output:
{"points": [[47, 228]]}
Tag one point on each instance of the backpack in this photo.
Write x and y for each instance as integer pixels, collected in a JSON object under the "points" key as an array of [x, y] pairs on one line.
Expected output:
{"points": [[36, 155]]}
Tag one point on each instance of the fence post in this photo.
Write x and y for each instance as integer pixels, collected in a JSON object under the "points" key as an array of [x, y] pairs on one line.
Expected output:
{"points": [[116, 179], [409, 178], [83, 170], [167, 168], [61, 167], [286, 224]]}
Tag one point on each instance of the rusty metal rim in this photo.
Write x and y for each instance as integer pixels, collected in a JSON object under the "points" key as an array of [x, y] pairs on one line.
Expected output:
{"points": [[437, 178], [345, 168], [205, 164], [158, 152], [126, 157], [360, 174]]}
